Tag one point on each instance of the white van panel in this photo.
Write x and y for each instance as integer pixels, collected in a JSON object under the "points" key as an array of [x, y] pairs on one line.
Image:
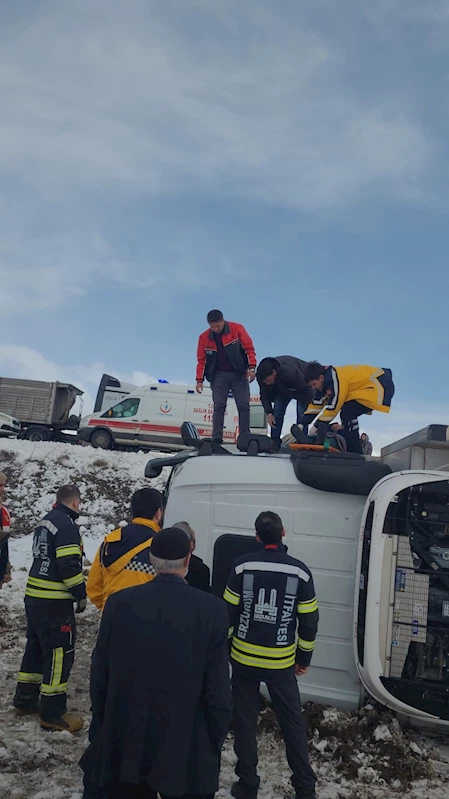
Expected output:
{"points": [[214, 496]]}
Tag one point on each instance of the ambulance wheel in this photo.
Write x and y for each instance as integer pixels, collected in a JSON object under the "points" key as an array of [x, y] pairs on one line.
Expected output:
{"points": [[101, 439]]}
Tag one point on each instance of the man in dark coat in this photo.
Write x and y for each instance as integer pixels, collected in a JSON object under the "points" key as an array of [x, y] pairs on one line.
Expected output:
{"points": [[199, 573], [281, 380], [160, 688]]}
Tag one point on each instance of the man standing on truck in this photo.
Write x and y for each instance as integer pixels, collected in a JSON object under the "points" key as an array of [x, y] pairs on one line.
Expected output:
{"points": [[123, 560], [281, 380], [350, 391], [54, 583], [270, 595], [226, 358]]}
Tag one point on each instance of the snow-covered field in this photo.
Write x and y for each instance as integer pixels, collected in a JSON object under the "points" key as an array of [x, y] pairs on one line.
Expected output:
{"points": [[356, 756]]}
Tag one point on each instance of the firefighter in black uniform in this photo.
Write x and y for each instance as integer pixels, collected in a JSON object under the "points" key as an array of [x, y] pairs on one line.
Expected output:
{"points": [[270, 595], [54, 583]]}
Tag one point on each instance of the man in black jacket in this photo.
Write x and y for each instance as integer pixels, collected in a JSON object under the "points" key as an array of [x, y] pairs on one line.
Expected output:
{"points": [[281, 380], [160, 691], [199, 573], [54, 583]]}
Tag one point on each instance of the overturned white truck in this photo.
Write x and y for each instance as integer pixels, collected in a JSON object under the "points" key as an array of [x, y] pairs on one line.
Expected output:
{"points": [[376, 540]]}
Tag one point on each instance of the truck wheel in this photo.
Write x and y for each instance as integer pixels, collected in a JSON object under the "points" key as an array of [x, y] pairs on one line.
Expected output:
{"points": [[36, 434], [101, 439]]}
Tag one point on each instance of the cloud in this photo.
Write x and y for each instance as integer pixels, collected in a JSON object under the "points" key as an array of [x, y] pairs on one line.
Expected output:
{"points": [[108, 106]]}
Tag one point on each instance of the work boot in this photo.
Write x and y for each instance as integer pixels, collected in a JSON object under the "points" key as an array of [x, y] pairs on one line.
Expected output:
{"points": [[275, 445], [71, 722], [241, 791], [26, 703], [299, 434], [27, 710]]}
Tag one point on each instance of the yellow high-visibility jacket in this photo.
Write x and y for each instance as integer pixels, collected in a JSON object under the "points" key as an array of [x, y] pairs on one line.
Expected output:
{"points": [[122, 561], [372, 386]]}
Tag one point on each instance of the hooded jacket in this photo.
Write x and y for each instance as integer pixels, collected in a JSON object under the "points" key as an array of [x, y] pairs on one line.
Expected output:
{"points": [[367, 447], [289, 382], [371, 386], [122, 561]]}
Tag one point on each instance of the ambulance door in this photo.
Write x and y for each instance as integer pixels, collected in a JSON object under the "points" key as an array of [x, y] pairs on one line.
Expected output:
{"points": [[200, 411], [162, 415], [122, 420]]}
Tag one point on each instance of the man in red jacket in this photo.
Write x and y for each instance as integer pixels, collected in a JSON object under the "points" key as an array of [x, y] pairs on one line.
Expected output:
{"points": [[226, 358]]}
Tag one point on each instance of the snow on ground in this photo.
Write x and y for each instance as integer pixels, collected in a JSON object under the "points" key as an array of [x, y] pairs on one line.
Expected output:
{"points": [[363, 755]]}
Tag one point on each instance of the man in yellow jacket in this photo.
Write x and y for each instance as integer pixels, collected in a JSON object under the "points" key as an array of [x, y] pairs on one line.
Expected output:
{"points": [[349, 391], [123, 560]]}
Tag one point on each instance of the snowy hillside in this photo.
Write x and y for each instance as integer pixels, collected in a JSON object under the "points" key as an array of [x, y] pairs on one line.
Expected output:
{"points": [[106, 481], [362, 755]]}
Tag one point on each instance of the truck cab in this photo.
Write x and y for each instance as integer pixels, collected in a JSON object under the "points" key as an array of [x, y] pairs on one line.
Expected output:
{"points": [[377, 543]]}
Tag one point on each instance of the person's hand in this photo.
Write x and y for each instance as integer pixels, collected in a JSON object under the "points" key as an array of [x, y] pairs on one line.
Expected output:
{"points": [[300, 670], [271, 420], [251, 375], [81, 606], [336, 427], [7, 578], [199, 388]]}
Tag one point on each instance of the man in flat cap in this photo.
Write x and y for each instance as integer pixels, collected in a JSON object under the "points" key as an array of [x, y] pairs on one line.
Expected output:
{"points": [[160, 689]]}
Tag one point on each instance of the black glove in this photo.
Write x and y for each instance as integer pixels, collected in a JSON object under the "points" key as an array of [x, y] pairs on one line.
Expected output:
{"points": [[81, 606]]}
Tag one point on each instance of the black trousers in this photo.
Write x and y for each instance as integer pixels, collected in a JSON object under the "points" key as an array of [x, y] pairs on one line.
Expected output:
{"points": [[223, 383], [48, 659], [349, 418], [284, 695]]}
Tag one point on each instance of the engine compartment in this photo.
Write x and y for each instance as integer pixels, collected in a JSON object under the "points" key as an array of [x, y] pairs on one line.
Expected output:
{"points": [[418, 661]]}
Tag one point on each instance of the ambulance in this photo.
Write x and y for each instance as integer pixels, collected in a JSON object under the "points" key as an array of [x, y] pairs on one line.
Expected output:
{"points": [[150, 417]]}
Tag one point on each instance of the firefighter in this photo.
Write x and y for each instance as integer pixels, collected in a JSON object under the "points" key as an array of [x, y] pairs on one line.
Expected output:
{"points": [[5, 524], [350, 391], [54, 583], [123, 560], [270, 595], [226, 358]]}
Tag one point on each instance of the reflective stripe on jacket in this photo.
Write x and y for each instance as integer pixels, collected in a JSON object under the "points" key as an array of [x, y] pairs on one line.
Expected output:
{"points": [[122, 561], [270, 597], [371, 386], [56, 571]]}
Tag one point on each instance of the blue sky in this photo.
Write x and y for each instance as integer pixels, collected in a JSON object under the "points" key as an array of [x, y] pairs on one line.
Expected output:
{"points": [[286, 162]]}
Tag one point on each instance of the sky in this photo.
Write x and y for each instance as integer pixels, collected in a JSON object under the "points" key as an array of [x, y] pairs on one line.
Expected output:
{"points": [[285, 162]]}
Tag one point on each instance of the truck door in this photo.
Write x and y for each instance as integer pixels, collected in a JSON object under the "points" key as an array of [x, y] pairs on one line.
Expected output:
{"points": [[402, 600]]}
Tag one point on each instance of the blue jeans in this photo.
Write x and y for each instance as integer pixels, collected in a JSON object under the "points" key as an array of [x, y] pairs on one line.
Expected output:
{"points": [[281, 403]]}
